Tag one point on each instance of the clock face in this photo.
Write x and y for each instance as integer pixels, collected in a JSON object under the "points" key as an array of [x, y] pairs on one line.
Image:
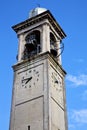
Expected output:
{"points": [[56, 86], [29, 82], [30, 78]]}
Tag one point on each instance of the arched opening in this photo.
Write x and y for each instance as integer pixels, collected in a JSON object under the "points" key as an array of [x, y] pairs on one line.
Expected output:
{"points": [[32, 45]]}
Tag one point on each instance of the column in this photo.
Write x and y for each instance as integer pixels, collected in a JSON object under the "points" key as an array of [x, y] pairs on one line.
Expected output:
{"points": [[58, 51], [21, 47], [45, 38]]}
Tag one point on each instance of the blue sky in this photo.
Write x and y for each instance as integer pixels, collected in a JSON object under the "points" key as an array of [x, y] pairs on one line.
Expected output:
{"points": [[72, 17]]}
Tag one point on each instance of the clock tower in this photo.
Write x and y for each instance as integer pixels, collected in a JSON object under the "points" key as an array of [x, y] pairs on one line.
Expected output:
{"points": [[38, 96]]}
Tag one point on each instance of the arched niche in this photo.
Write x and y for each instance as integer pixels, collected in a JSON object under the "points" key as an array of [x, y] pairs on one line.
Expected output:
{"points": [[32, 46]]}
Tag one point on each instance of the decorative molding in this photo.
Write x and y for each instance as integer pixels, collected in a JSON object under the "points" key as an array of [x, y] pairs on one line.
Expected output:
{"points": [[39, 18]]}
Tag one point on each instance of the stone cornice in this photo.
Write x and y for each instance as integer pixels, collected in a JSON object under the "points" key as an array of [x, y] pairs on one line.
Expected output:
{"points": [[39, 18], [38, 58]]}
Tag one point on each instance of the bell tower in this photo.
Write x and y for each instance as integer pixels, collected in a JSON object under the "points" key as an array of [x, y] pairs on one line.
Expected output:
{"points": [[38, 96]]}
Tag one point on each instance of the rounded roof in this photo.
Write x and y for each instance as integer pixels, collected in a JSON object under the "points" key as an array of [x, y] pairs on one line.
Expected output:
{"points": [[36, 11]]}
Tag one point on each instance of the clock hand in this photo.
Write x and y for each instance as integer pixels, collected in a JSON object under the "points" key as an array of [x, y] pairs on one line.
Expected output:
{"points": [[25, 79], [28, 79]]}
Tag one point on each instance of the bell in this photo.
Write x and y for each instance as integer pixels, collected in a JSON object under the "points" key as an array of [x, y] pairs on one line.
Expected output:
{"points": [[54, 52], [31, 45]]}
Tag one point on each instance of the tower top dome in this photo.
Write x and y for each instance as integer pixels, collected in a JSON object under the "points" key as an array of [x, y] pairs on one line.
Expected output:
{"points": [[36, 11]]}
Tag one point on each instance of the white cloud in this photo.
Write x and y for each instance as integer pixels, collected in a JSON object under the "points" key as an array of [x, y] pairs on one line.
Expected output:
{"points": [[77, 80], [71, 126], [77, 119], [79, 116]]}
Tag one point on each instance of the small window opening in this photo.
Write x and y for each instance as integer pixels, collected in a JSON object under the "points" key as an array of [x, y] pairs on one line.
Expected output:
{"points": [[29, 127]]}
